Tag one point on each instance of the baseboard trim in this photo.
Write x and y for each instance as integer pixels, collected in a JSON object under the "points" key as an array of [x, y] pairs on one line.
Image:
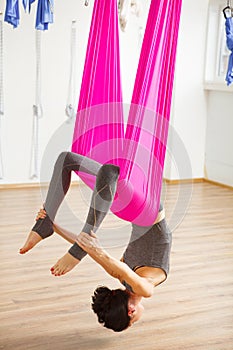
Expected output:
{"points": [[218, 184], [197, 180], [80, 183], [183, 181], [31, 185]]}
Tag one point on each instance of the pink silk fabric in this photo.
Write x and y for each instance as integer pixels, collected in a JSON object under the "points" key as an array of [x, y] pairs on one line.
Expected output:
{"points": [[99, 130]]}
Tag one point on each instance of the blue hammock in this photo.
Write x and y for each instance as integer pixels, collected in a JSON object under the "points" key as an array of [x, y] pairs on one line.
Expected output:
{"points": [[228, 14], [229, 34]]}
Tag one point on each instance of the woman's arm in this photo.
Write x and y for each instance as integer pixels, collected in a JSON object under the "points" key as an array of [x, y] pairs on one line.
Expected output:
{"points": [[115, 268], [67, 235]]}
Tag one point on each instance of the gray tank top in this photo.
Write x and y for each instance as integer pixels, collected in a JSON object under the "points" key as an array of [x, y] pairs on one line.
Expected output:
{"points": [[149, 246]]}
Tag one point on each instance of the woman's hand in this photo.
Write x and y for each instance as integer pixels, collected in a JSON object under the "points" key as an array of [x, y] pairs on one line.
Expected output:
{"points": [[41, 214], [88, 242]]}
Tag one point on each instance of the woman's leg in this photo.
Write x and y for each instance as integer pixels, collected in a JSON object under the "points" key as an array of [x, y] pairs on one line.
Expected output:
{"points": [[102, 198], [101, 201], [59, 185]]}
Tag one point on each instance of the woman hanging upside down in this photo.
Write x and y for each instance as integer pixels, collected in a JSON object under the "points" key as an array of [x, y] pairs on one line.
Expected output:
{"points": [[145, 262]]}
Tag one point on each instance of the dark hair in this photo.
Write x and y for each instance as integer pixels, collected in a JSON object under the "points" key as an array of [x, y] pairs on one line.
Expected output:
{"points": [[111, 307]]}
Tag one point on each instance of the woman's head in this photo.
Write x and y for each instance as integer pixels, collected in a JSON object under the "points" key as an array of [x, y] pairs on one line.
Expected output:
{"points": [[111, 307], [117, 309]]}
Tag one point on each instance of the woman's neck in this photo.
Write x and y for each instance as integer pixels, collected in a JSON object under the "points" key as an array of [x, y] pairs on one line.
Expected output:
{"points": [[134, 298]]}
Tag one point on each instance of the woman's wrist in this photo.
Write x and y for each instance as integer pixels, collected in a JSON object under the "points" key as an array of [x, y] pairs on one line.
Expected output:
{"points": [[89, 242], [98, 252]]}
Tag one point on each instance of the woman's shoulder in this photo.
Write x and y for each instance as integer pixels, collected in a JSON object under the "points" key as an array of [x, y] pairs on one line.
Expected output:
{"points": [[154, 275]]}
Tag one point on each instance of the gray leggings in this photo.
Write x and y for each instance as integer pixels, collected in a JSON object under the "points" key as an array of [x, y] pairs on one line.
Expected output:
{"points": [[102, 197]]}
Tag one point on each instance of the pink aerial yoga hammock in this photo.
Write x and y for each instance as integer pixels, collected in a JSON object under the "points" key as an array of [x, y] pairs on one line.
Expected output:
{"points": [[99, 130]]}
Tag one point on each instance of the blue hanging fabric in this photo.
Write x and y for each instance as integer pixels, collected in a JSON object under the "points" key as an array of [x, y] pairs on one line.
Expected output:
{"points": [[12, 12], [228, 14], [229, 33], [44, 14], [27, 5]]}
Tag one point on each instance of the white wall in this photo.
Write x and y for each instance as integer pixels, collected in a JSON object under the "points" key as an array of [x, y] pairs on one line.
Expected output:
{"points": [[19, 80], [188, 118], [190, 103], [219, 140]]}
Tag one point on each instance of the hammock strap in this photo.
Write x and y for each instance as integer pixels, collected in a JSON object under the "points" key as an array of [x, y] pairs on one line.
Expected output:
{"points": [[71, 96], [124, 12], [37, 112]]}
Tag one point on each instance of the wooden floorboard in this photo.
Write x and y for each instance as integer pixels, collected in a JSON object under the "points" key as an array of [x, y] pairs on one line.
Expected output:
{"points": [[192, 310]]}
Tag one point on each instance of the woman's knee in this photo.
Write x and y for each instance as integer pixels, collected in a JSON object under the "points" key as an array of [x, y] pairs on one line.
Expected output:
{"points": [[110, 172], [62, 159], [63, 155]]}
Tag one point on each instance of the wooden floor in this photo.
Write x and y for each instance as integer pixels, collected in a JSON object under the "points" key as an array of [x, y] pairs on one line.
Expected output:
{"points": [[193, 309]]}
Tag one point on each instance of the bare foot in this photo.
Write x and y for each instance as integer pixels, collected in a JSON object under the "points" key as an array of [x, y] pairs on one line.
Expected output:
{"points": [[32, 240], [64, 265]]}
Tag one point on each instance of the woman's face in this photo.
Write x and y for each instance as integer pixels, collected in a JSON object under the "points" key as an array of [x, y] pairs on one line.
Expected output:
{"points": [[137, 313]]}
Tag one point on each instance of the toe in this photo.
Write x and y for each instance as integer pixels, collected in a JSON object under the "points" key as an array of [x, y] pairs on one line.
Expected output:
{"points": [[64, 271], [56, 271], [54, 268], [24, 250]]}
